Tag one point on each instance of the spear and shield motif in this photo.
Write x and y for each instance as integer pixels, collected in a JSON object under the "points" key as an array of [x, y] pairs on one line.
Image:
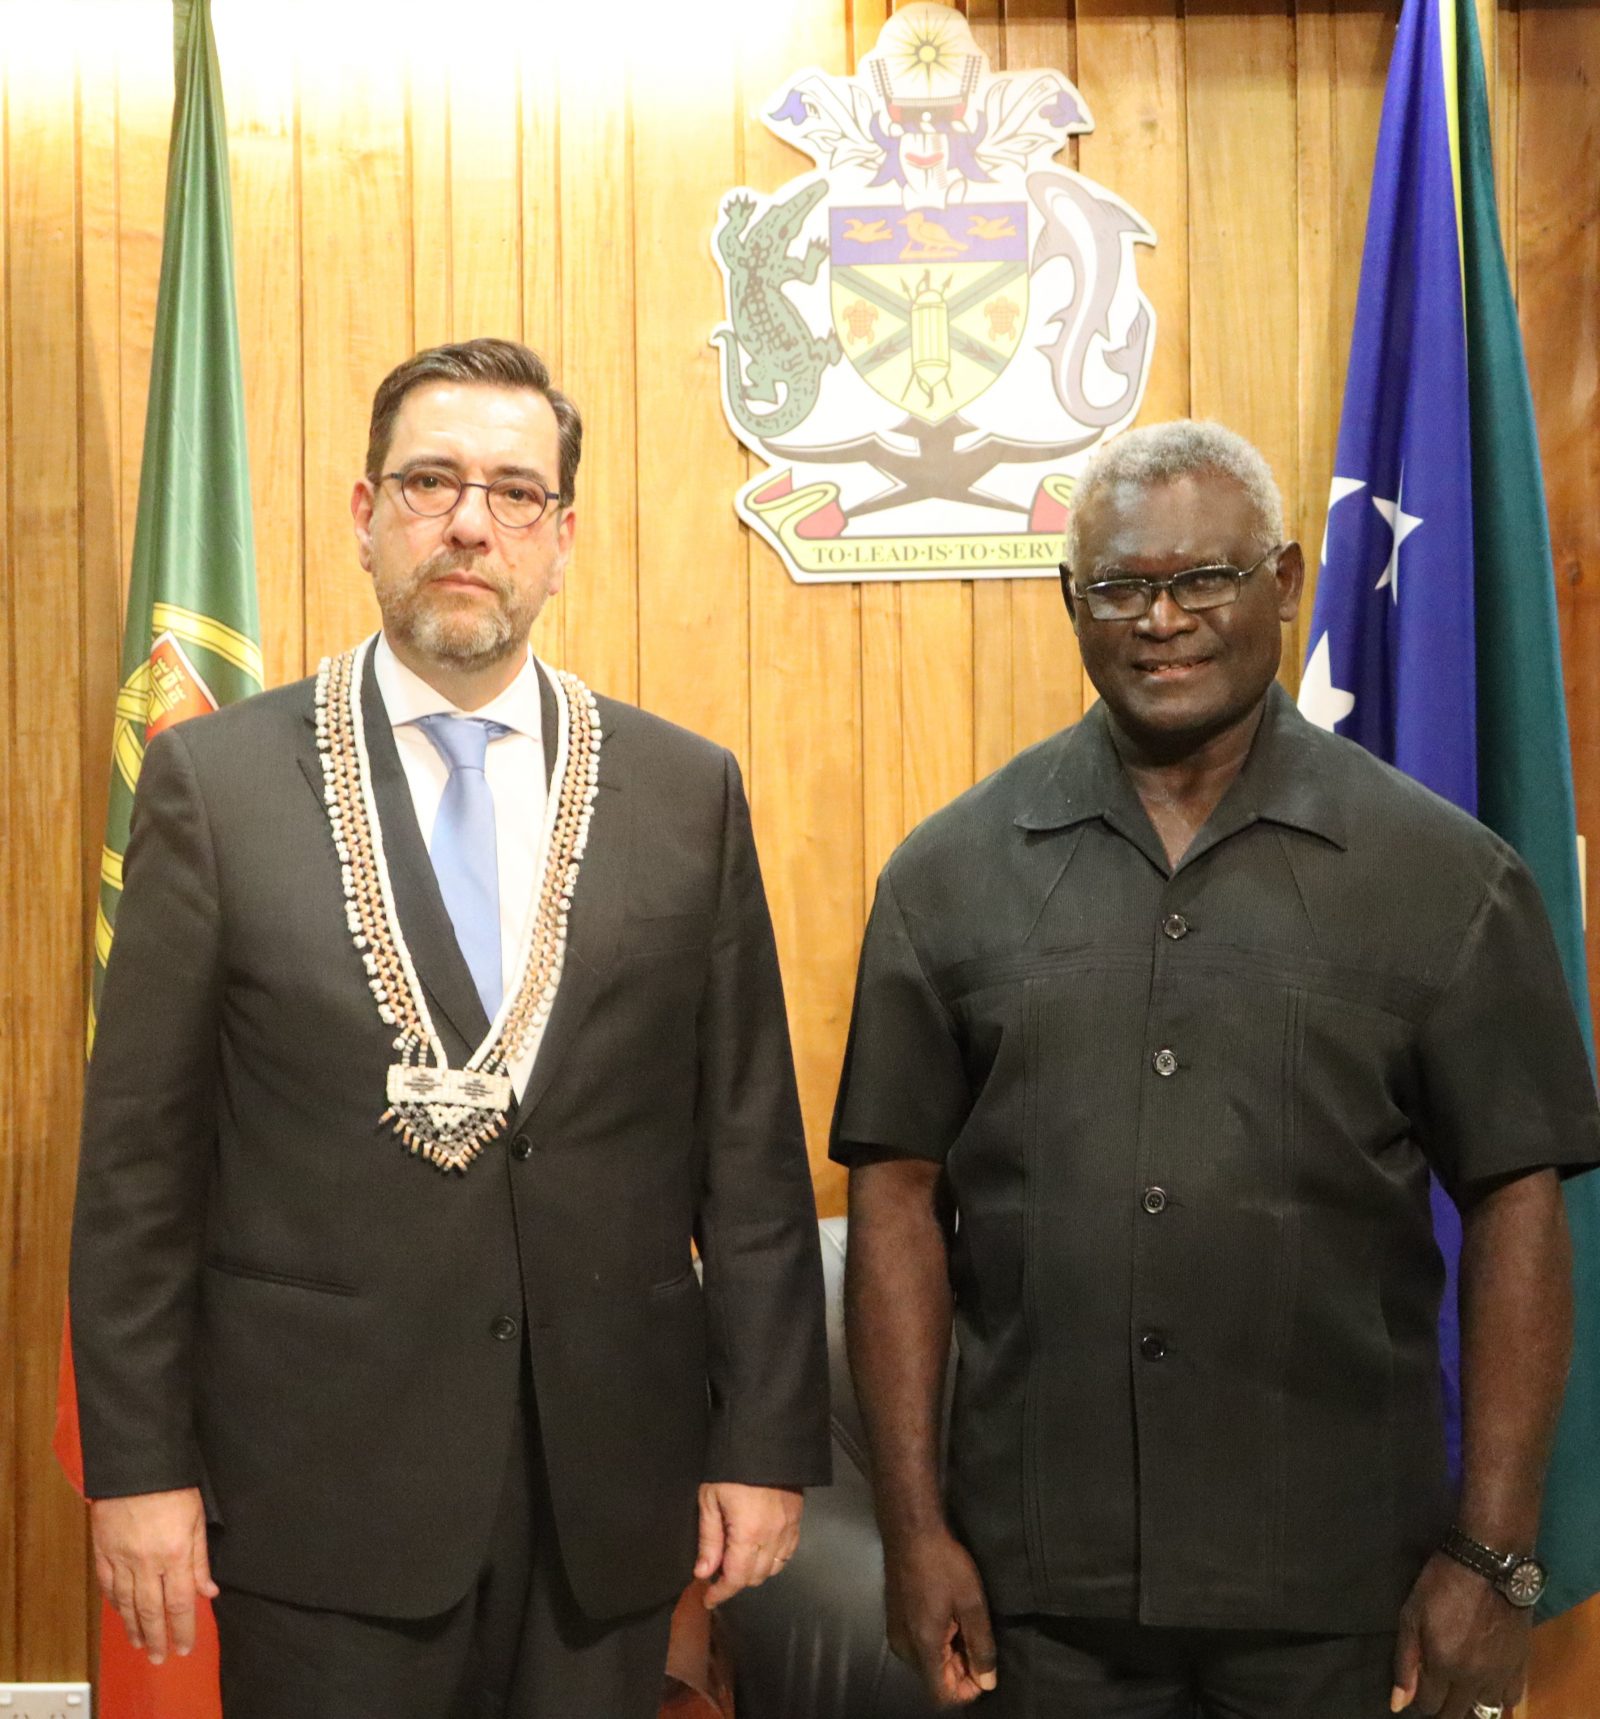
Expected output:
{"points": [[925, 339]]}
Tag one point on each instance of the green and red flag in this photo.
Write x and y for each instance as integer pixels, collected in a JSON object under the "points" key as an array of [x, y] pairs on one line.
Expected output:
{"points": [[191, 641]]}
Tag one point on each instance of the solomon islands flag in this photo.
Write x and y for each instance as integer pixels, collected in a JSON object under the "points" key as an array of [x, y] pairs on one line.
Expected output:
{"points": [[1433, 636]]}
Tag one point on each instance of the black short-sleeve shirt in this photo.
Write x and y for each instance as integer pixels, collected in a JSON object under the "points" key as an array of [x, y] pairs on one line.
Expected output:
{"points": [[1187, 1117]]}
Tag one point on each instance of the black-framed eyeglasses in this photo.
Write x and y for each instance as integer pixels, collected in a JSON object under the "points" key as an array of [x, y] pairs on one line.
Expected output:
{"points": [[1127, 596], [433, 491]]}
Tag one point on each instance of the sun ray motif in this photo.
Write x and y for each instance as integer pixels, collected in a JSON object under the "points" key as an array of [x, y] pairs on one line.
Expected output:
{"points": [[926, 54]]}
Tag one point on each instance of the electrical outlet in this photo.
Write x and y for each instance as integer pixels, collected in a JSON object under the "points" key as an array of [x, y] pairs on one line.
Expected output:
{"points": [[44, 1701]]}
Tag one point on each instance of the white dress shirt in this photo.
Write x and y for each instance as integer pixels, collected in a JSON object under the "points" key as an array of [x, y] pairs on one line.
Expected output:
{"points": [[514, 769]]}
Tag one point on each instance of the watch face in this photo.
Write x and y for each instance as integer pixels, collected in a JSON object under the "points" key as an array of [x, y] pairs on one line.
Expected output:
{"points": [[1525, 1583]]}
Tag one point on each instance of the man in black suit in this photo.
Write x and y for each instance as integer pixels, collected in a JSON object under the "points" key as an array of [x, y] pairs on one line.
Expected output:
{"points": [[444, 1012]]}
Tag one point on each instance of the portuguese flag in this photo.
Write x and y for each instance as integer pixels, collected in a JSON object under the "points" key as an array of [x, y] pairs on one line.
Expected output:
{"points": [[192, 638]]}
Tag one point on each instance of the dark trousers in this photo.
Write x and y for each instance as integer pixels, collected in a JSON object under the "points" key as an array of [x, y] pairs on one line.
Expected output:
{"points": [[1093, 1668], [515, 1647]]}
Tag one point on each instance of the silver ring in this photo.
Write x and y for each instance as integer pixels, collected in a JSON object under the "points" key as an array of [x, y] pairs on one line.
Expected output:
{"points": [[1482, 1710]]}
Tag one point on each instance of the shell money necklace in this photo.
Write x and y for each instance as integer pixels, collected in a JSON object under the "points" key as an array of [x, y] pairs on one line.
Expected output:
{"points": [[449, 1115]]}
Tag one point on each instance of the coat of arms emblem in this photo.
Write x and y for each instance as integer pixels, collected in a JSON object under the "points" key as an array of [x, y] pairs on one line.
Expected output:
{"points": [[927, 337]]}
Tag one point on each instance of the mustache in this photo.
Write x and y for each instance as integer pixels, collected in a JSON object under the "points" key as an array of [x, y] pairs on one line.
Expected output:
{"points": [[449, 561]]}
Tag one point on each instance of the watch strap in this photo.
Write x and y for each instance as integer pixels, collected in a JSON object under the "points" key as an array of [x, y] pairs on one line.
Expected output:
{"points": [[1492, 1565], [1516, 1576]]}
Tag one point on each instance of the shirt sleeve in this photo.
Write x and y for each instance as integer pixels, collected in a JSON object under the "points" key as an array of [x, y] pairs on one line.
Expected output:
{"points": [[904, 1089], [1505, 1076]]}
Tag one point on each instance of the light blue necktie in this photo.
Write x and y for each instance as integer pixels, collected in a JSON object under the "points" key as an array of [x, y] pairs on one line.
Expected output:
{"points": [[463, 847]]}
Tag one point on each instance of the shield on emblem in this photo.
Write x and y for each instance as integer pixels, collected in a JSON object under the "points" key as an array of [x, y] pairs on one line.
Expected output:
{"points": [[929, 304]]}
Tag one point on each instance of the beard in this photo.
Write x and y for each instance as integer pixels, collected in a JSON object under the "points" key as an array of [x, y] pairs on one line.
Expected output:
{"points": [[452, 629]]}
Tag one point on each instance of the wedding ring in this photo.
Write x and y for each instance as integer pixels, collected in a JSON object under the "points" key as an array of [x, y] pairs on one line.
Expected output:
{"points": [[1482, 1710]]}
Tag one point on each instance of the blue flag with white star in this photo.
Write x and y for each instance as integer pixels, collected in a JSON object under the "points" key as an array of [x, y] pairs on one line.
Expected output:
{"points": [[1392, 662], [1433, 637], [1393, 648]]}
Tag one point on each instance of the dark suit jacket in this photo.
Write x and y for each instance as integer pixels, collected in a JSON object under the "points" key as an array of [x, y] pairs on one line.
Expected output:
{"points": [[271, 1299]]}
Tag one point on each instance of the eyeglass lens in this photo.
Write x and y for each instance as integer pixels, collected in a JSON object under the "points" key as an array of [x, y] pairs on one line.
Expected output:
{"points": [[514, 502], [1199, 588]]}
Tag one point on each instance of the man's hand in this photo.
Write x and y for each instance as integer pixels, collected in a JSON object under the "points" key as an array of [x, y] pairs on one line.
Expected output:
{"points": [[939, 1618], [150, 1558], [747, 1533], [1460, 1642]]}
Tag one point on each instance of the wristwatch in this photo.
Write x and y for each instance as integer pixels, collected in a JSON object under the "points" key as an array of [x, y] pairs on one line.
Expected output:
{"points": [[1518, 1576]]}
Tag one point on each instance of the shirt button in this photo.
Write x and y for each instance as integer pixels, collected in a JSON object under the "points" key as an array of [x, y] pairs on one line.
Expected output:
{"points": [[1164, 1063], [1155, 1200], [503, 1328], [1175, 926], [1152, 1346], [521, 1147]]}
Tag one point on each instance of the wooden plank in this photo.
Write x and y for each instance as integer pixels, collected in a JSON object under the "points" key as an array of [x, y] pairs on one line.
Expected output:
{"points": [[44, 852], [1243, 234], [805, 719], [485, 177], [1558, 247], [882, 687], [601, 600], [144, 125], [11, 886], [99, 447], [355, 305], [992, 742], [259, 93], [1504, 87], [694, 591], [540, 223], [1047, 687], [429, 133], [1342, 61], [881, 608]]}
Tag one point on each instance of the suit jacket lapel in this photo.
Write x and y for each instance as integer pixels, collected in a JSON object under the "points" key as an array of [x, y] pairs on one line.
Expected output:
{"points": [[429, 934], [548, 721], [594, 922]]}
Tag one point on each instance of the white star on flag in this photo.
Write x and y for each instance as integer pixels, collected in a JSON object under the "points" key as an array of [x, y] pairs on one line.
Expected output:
{"points": [[1337, 491], [1321, 701], [1402, 524]]}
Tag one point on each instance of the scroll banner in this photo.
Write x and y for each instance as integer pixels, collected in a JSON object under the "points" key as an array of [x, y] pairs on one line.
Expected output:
{"points": [[805, 526]]}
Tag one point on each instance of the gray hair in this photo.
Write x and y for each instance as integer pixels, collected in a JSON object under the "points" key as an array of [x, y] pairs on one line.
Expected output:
{"points": [[1160, 453]]}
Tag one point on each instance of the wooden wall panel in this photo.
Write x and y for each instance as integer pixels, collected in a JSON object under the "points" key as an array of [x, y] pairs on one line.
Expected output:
{"points": [[694, 588], [1558, 282], [600, 606], [806, 701], [355, 306], [1047, 684], [390, 194], [262, 110], [45, 849], [15, 1425]]}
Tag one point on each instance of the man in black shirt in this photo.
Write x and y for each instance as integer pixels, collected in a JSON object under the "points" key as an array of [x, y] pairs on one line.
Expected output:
{"points": [[1158, 1034]]}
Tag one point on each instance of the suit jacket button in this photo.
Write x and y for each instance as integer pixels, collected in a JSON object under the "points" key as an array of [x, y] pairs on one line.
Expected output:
{"points": [[504, 1328], [521, 1147], [1153, 1346]]}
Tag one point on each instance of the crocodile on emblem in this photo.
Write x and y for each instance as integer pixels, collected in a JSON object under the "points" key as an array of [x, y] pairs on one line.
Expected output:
{"points": [[770, 330]]}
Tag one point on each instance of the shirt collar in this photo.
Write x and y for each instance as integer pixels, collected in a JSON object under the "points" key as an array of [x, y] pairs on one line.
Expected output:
{"points": [[1285, 780], [407, 696]]}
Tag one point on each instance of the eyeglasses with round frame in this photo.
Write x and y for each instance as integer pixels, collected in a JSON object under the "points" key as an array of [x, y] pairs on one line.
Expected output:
{"points": [[1125, 597], [517, 503]]}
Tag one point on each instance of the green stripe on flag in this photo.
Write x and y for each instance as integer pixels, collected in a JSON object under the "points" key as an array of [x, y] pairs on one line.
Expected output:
{"points": [[1524, 758], [192, 596]]}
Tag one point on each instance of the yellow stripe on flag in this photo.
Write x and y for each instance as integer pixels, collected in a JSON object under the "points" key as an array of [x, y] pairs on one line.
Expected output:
{"points": [[211, 635]]}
